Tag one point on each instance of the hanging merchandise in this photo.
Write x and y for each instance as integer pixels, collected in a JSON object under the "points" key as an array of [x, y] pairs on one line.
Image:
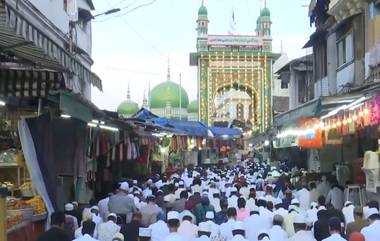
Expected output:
{"points": [[374, 108]]}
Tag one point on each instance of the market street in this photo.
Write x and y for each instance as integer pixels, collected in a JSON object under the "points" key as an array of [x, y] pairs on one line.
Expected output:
{"points": [[189, 120]]}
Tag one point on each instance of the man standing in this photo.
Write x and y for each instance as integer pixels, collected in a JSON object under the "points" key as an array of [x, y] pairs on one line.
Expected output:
{"points": [[372, 232], [226, 228], [173, 224], [202, 208], [149, 212], [221, 217], [103, 206], [323, 187], [335, 229], [179, 205], [56, 232], [303, 195], [335, 197], [358, 224], [107, 230], [122, 204], [348, 212]]}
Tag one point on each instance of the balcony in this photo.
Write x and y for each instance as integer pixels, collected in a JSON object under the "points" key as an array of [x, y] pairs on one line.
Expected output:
{"points": [[343, 9]]}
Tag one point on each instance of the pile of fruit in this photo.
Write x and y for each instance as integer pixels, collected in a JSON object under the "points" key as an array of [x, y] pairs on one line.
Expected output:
{"points": [[13, 220], [14, 204], [37, 204]]}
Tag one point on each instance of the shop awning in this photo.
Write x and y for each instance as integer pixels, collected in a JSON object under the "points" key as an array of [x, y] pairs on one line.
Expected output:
{"points": [[78, 107], [309, 109], [225, 132], [189, 128], [25, 40], [29, 83], [314, 108]]}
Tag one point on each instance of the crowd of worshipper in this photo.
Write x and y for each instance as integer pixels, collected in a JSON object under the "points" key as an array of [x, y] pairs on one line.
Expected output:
{"points": [[248, 201]]}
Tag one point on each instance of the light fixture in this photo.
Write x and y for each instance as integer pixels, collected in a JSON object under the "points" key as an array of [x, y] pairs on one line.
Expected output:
{"points": [[98, 122], [266, 143], [109, 128], [65, 116], [2, 103]]}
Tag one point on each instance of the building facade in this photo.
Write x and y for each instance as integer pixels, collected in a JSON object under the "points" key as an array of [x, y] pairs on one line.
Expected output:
{"points": [[54, 36], [345, 69], [235, 62]]}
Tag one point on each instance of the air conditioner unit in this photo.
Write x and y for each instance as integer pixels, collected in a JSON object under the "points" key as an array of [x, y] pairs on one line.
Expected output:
{"points": [[371, 168]]}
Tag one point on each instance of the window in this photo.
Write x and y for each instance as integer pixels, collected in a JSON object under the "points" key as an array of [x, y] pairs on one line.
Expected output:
{"points": [[284, 85], [345, 48]]}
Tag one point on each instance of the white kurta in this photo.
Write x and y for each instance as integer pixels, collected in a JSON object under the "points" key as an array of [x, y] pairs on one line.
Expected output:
{"points": [[85, 237], [238, 238], [253, 225], [372, 232], [232, 201], [106, 231], [173, 237], [278, 234], [335, 237], [188, 231], [159, 230], [226, 229], [348, 213], [303, 196], [303, 236]]}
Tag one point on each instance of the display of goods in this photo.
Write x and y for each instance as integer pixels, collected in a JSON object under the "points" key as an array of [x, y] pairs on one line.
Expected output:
{"points": [[26, 186], [8, 185], [37, 204], [14, 220], [13, 204]]}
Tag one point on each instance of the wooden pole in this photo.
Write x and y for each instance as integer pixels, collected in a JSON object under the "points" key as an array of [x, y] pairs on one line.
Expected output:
{"points": [[3, 211]]}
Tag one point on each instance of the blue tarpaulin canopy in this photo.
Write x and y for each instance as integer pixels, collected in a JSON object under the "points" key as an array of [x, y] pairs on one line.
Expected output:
{"points": [[225, 132], [144, 114], [190, 128]]}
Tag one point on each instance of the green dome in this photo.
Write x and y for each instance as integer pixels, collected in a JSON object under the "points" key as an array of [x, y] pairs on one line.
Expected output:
{"points": [[258, 20], [127, 108], [265, 12], [193, 107], [202, 10], [168, 92]]}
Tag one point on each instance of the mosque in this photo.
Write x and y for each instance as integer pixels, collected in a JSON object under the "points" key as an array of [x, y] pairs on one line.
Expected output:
{"points": [[167, 99]]}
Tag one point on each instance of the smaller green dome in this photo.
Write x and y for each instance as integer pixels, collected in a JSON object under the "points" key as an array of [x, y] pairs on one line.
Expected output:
{"points": [[202, 10], [258, 20], [127, 108], [193, 107], [265, 12]]}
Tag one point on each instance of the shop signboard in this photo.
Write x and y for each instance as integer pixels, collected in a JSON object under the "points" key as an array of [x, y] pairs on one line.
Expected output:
{"points": [[285, 142]]}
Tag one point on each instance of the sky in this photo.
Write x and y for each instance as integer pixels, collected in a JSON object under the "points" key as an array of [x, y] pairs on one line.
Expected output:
{"points": [[134, 46]]}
